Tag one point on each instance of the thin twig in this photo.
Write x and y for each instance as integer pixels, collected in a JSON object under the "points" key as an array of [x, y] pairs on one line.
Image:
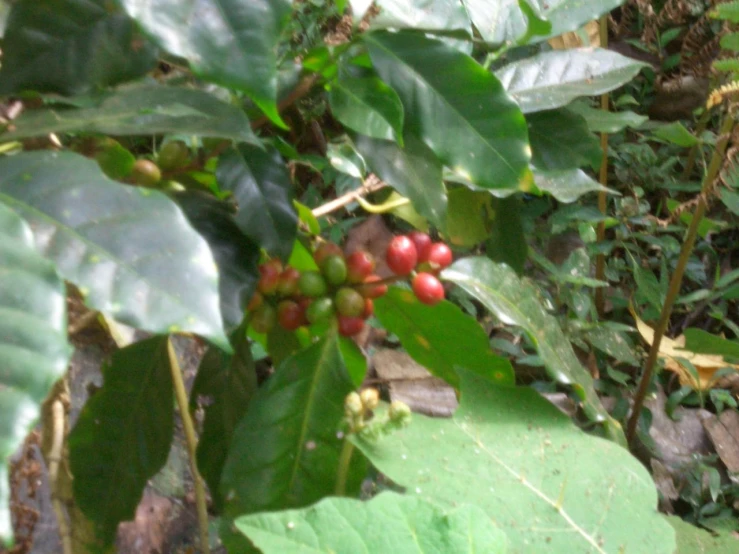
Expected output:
{"points": [[371, 184], [677, 277], [54, 459], [192, 444], [600, 261]]}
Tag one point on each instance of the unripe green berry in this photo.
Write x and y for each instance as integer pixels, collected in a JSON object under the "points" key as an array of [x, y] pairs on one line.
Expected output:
{"points": [[320, 310], [349, 302], [334, 269], [312, 284]]}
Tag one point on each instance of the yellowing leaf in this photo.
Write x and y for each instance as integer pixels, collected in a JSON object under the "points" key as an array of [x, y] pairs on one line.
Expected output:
{"points": [[672, 350], [574, 39]]}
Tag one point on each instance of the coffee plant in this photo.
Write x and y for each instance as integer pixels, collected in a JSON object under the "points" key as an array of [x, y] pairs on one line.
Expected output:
{"points": [[192, 167]]}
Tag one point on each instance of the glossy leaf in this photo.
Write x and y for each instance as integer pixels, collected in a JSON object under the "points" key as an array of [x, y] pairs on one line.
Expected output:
{"points": [[130, 250], [553, 79], [448, 100], [561, 140], [677, 134], [354, 360], [459, 342], [515, 301], [229, 42], [507, 242], [702, 342], [140, 110], [469, 217], [123, 435], [429, 15], [285, 450], [567, 185], [33, 342], [601, 121], [388, 522], [506, 20], [71, 47], [539, 478], [413, 170], [227, 383], [368, 106], [264, 194], [235, 254], [614, 343]]}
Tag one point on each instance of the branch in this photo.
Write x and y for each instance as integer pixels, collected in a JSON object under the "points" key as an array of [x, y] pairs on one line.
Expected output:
{"points": [[371, 184]]}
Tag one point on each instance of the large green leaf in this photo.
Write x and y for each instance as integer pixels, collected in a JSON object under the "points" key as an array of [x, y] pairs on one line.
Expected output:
{"points": [[567, 185], [698, 340], [547, 485], [229, 42], [515, 301], [368, 106], [441, 338], [429, 15], [123, 435], [285, 450], [602, 121], [560, 139], [553, 79], [227, 384], [130, 250], [505, 20], [413, 170], [236, 255], [694, 540], [33, 342], [456, 107], [138, 111], [507, 243], [261, 187], [71, 46], [387, 523]]}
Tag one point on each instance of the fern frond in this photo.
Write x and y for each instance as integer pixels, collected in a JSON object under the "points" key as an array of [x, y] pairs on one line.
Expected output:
{"points": [[728, 11], [730, 90]]}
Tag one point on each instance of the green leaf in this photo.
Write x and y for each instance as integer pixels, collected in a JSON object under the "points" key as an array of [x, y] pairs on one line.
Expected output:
{"points": [[262, 189], [429, 15], [539, 478], [602, 121], [507, 242], [702, 342], [413, 170], [730, 199], [138, 111], [123, 435], [469, 217], [612, 342], [553, 79], [388, 522], [354, 360], [235, 254], [33, 342], [457, 108], [228, 382], [130, 250], [368, 106], [229, 42], [515, 301], [567, 185], [728, 12], [561, 139], [71, 47], [285, 450], [694, 540], [676, 134], [458, 342]]}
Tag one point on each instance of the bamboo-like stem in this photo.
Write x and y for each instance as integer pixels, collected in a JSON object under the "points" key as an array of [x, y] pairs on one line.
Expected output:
{"points": [[600, 260], [343, 470], [702, 124], [371, 184], [677, 277], [192, 443]]}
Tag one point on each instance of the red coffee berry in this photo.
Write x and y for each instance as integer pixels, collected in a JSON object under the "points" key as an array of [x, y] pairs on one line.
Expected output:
{"points": [[350, 326], [369, 308], [287, 285], [423, 244], [401, 255], [368, 290], [359, 265], [255, 302], [440, 256], [290, 315], [428, 289], [269, 276], [264, 319], [349, 302], [325, 250]]}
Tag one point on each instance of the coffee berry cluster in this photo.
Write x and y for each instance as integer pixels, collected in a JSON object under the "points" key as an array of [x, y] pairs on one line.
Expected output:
{"points": [[344, 287]]}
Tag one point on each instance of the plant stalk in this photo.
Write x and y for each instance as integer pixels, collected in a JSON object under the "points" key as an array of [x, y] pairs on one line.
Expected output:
{"points": [[677, 277], [702, 124], [600, 260], [343, 471], [192, 443], [371, 184]]}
